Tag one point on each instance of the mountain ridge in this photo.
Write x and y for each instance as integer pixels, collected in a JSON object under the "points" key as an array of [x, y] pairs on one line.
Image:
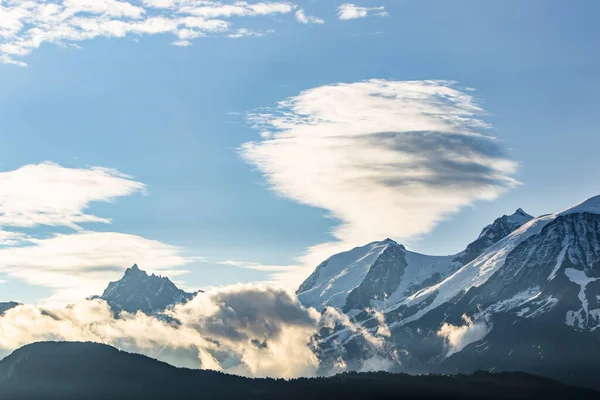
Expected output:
{"points": [[347, 274]]}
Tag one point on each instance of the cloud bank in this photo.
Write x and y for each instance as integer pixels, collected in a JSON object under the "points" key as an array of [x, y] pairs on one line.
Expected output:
{"points": [[242, 329], [384, 158], [26, 25], [252, 330]]}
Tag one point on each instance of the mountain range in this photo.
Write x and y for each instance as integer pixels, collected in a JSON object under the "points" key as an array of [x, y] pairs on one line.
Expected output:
{"points": [[65, 371], [525, 295]]}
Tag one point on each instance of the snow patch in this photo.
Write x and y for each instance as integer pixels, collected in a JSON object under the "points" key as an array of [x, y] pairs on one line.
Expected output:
{"points": [[581, 317]]}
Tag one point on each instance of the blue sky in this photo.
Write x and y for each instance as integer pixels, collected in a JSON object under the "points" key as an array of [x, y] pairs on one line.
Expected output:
{"points": [[175, 117]]}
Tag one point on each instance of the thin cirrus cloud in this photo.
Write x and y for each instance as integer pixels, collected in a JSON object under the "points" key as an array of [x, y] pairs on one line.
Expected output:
{"points": [[384, 158], [352, 11], [26, 25], [243, 32], [48, 195], [286, 276]]}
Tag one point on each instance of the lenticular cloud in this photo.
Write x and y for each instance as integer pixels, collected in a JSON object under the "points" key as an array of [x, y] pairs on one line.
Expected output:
{"points": [[386, 158]]}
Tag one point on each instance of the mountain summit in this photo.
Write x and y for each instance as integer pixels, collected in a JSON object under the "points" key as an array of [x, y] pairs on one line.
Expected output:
{"points": [[492, 233], [138, 291]]}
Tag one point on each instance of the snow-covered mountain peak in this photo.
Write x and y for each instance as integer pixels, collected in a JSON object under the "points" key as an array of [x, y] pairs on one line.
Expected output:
{"points": [[591, 205], [520, 217], [332, 281], [507, 223]]}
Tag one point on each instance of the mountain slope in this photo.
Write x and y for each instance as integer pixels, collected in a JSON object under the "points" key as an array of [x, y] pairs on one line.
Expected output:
{"points": [[93, 371], [138, 291]]}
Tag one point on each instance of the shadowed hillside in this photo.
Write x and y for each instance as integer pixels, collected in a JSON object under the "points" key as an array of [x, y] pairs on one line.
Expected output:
{"points": [[53, 370]]}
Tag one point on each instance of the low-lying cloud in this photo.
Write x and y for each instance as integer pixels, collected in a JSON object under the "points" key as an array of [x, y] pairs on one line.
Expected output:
{"points": [[458, 337], [242, 329], [385, 158], [251, 330]]}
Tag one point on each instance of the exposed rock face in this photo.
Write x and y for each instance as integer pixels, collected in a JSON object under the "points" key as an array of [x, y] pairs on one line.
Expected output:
{"points": [[7, 306], [383, 278]]}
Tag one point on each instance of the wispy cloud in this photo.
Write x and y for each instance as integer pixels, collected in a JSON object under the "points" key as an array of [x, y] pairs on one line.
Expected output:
{"points": [[385, 158], [286, 276], [243, 32], [25, 25], [352, 11], [8, 238], [307, 19], [49, 194]]}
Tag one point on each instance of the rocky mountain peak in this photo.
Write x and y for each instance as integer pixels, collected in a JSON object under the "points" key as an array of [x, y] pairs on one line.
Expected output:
{"points": [[138, 291], [135, 271]]}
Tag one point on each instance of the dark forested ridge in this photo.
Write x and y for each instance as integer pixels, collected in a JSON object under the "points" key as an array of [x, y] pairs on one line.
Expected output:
{"points": [[66, 371]]}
